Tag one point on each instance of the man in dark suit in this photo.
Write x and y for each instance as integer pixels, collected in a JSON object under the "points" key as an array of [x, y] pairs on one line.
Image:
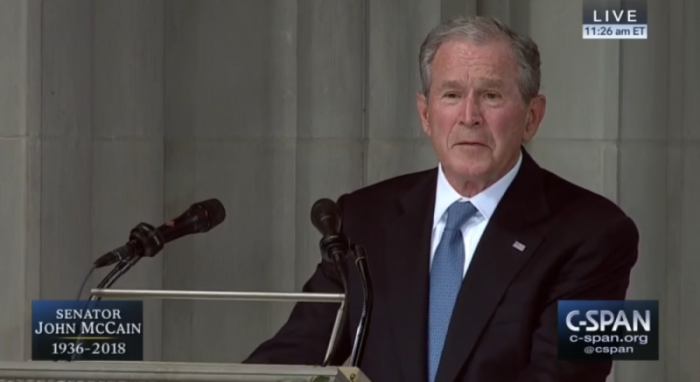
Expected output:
{"points": [[468, 260]]}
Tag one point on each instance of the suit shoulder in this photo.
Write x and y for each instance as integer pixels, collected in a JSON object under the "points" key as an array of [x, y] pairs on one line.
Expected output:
{"points": [[377, 197], [388, 188], [586, 205]]}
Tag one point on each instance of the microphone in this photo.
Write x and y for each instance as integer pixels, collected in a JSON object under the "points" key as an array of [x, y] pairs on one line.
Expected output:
{"points": [[145, 240], [325, 216]]}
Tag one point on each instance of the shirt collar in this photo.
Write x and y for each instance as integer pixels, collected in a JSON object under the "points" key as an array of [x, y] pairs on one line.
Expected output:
{"points": [[485, 201]]}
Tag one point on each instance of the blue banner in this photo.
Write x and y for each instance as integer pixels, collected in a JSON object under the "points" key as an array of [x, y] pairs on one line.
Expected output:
{"points": [[87, 330], [608, 330]]}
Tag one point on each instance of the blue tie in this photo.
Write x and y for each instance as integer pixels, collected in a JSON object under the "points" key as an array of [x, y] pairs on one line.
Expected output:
{"points": [[446, 276]]}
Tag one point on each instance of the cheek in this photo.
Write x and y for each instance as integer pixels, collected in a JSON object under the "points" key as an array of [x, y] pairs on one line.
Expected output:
{"points": [[506, 128], [443, 120]]}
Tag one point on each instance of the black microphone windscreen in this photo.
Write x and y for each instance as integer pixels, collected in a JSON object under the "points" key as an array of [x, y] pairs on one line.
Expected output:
{"points": [[214, 210], [325, 216]]}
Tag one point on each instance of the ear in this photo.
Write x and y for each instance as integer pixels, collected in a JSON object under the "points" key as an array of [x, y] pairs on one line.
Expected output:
{"points": [[422, 105], [535, 115]]}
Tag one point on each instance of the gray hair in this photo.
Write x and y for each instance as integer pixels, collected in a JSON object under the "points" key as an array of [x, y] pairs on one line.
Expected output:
{"points": [[481, 30]]}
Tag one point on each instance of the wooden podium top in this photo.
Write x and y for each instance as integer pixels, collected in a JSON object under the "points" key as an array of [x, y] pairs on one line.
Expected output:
{"points": [[172, 371]]}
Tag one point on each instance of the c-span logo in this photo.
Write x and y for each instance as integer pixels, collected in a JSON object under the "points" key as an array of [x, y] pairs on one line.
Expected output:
{"points": [[87, 330], [608, 330]]}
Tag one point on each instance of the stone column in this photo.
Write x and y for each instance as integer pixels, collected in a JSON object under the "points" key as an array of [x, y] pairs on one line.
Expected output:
{"points": [[681, 302], [330, 116], [66, 147], [128, 163], [642, 145], [20, 169]]}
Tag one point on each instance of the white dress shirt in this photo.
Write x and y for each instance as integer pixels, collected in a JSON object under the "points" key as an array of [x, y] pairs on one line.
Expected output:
{"points": [[485, 203]]}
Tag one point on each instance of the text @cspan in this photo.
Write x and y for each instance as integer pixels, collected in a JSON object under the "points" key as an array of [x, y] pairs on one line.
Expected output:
{"points": [[604, 320], [608, 350], [641, 339]]}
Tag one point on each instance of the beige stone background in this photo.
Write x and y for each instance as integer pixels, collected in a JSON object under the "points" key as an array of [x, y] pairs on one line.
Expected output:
{"points": [[114, 112]]}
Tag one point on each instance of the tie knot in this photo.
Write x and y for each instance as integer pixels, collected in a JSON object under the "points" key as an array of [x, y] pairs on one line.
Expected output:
{"points": [[458, 214]]}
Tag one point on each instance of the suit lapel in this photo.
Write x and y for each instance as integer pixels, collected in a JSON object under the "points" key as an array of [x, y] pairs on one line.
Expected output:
{"points": [[505, 247], [407, 255]]}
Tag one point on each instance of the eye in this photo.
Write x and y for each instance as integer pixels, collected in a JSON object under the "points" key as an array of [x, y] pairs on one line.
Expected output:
{"points": [[492, 95], [451, 95]]}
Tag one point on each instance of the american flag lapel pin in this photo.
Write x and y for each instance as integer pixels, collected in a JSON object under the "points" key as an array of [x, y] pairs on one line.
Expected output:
{"points": [[519, 246]]}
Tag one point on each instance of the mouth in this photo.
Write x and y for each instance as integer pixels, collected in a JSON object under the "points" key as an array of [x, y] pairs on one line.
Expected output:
{"points": [[470, 144]]}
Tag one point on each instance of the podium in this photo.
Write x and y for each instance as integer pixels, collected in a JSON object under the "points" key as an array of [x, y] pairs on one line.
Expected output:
{"points": [[234, 296], [93, 371], [88, 371]]}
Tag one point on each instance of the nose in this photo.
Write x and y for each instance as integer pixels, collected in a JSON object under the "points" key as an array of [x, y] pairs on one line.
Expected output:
{"points": [[472, 112]]}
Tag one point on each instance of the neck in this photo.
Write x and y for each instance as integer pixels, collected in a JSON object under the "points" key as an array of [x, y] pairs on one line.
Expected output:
{"points": [[468, 187]]}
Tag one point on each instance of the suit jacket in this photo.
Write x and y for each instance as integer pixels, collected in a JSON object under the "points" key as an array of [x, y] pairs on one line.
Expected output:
{"points": [[578, 245]]}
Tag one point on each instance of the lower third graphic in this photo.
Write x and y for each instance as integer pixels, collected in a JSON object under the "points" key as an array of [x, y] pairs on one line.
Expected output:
{"points": [[87, 330], [608, 330]]}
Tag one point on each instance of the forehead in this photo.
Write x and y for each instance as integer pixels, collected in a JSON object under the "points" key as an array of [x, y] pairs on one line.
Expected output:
{"points": [[462, 58]]}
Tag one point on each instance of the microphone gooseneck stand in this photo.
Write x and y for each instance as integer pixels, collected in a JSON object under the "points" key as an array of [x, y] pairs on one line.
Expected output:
{"points": [[111, 277], [326, 216], [333, 248], [120, 270], [367, 297], [147, 241], [143, 233]]}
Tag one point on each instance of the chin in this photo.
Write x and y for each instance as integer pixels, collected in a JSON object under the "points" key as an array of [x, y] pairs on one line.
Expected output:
{"points": [[470, 169]]}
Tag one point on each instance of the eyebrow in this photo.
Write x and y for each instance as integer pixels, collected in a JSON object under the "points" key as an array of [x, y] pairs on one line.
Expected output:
{"points": [[486, 82], [491, 83]]}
